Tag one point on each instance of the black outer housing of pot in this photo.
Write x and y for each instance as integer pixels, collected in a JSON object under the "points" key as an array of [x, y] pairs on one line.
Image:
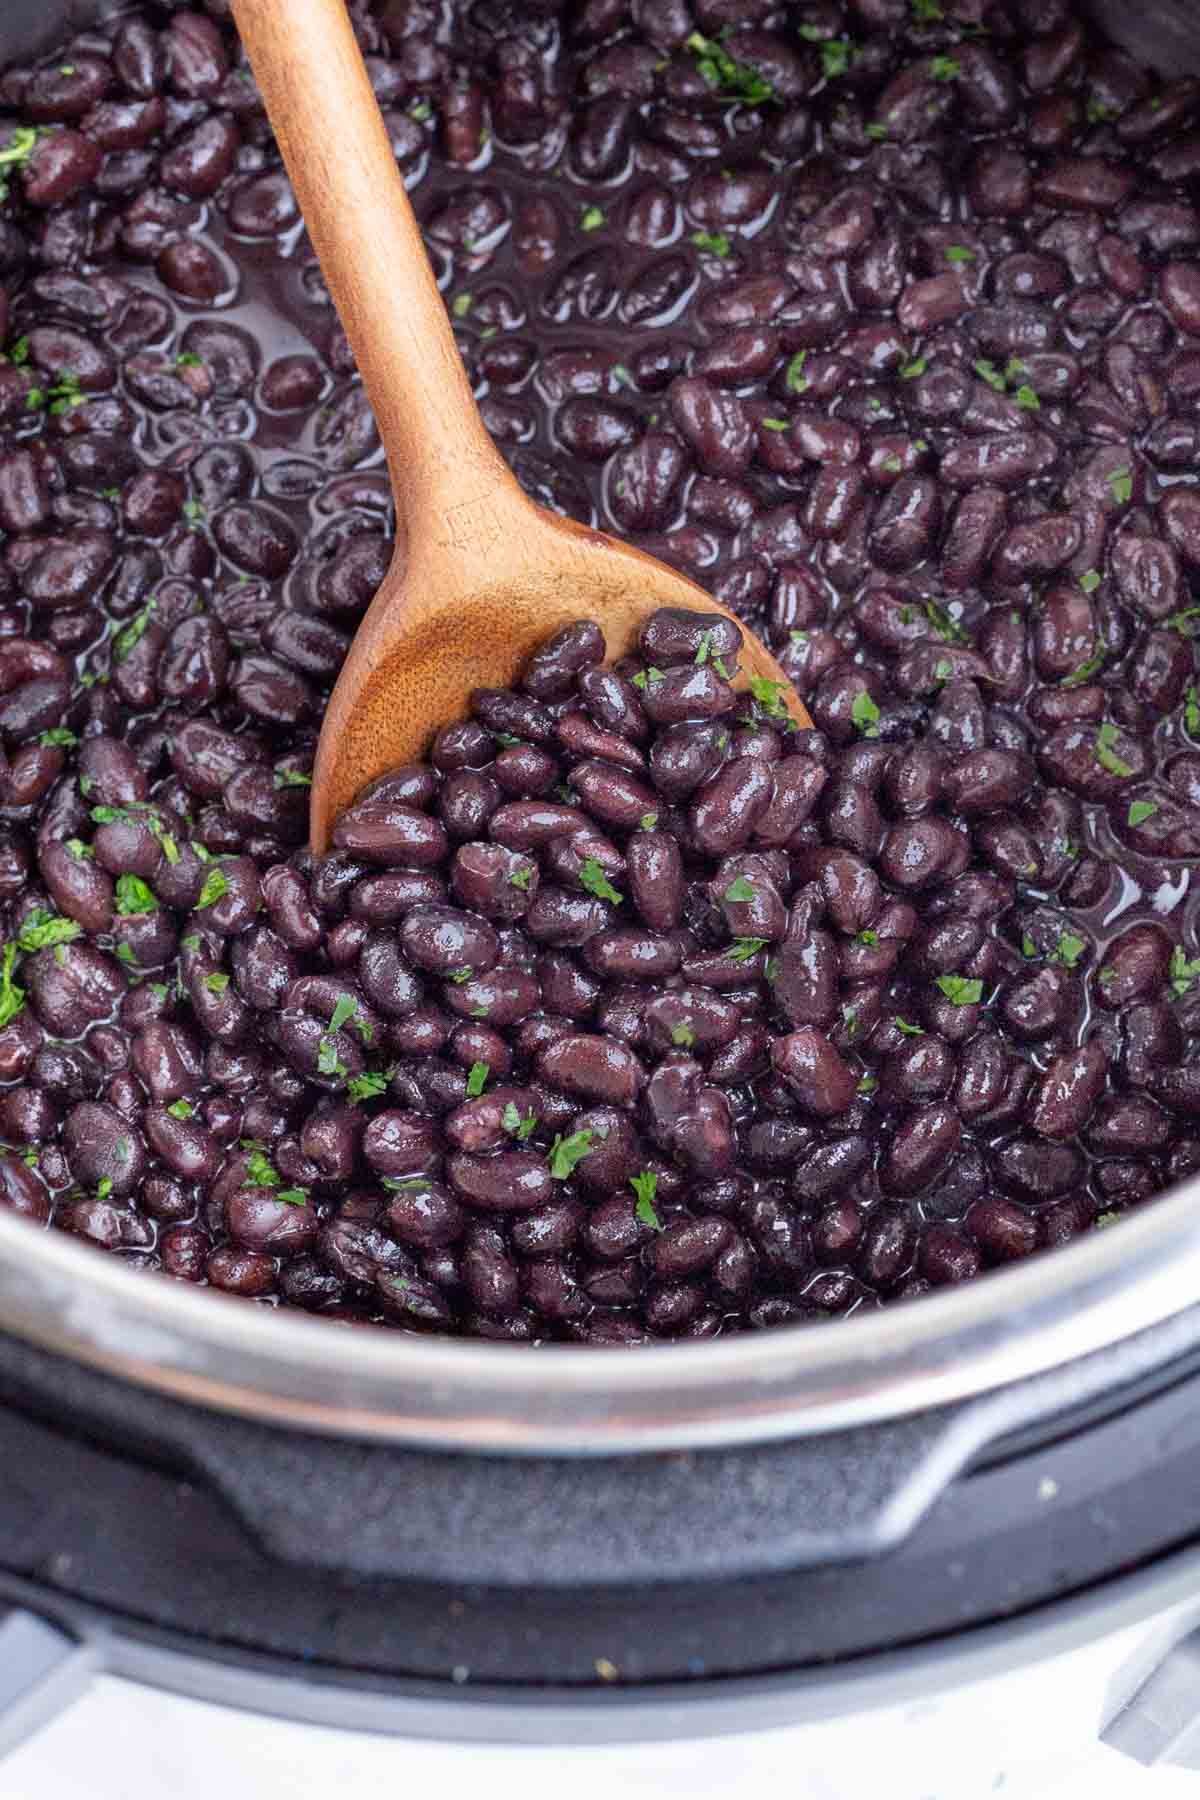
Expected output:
{"points": [[129, 1512]]}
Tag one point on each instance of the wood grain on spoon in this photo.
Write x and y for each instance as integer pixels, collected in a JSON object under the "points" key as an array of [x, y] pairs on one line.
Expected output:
{"points": [[480, 574]]}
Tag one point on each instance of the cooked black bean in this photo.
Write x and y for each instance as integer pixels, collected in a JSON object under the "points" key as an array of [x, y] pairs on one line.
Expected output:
{"points": [[625, 959]]}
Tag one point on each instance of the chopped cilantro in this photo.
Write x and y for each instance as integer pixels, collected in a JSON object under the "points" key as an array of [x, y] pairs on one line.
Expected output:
{"points": [[592, 218], [217, 982], [1068, 949], [1106, 737], [1089, 581], [1182, 972], [215, 888], [58, 738], [593, 878], [648, 678], [1121, 483], [181, 1109], [893, 464], [865, 714], [910, 370], [461, 305], [1085, 671], [868, 937], [774, 424], [565, 1152], [104, 1187], [79, 850], [645, 1186], [125, 954], [1183, 622], [732, 80], [520, 1128], [946, 626], [795, 380], [715, 242], [769, 695], [289, 778], [876, 130], [739, 889], [648, 821], [1140, 811], [961, 990], [458, 976], [131, 635], [959, 253], [477, 1079], [343, 1011], [42, 929], [133, 896], [520, 878], [944, 68], [1026, 397], [868, 1084], [836, 56], [683, 1036], [1191, 711], [366, 1087], [743, 948]]}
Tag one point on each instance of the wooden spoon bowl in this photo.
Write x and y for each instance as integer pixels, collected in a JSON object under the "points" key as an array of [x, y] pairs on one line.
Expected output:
{"points": [[480, 575]]}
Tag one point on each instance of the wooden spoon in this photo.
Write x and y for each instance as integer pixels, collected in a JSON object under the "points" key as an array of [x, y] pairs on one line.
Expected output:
{"points": [[480, 574]]}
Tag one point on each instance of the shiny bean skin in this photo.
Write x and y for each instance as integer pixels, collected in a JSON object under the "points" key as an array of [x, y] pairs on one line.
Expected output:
{"points": [[905, 377]]}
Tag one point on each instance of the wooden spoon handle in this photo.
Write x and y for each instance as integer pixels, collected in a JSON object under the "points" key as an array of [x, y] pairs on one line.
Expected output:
{"points": [[328, 125]]}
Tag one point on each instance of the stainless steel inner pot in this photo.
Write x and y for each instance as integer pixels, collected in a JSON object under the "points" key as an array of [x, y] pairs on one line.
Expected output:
{"points": [[286, 1369]]}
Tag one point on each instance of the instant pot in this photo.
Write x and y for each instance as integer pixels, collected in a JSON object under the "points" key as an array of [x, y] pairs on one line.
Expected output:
{"points": [[479, 1543]]}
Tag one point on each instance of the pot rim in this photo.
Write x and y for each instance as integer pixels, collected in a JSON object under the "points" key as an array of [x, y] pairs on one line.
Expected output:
{"points": [[288, 1370]]}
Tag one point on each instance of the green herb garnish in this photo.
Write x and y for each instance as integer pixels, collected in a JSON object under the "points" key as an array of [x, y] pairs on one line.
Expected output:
{"points": [[961, 990], [865, 714], [215, 888], [1106, 737], [133, 896], [732, 80], [593, 878], [1140, 811], [645, 1186], [565, 1152], [715, 242], [42, 929], [477, 1079]]}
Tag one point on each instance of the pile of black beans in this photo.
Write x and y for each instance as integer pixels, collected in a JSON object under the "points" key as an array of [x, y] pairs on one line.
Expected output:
{"points": [[633, 1013]]}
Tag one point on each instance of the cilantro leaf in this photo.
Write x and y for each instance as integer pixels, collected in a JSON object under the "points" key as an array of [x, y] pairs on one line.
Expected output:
{"points": [[366, 1087], [769, 695], [1121, 483], [743, 948], [1069, 949], [683, 1036], [565, 1152], [42, 929], [865, 714], [1182, 973], [740, 889], [593, 878], [215, 888], [477, 1079], [795, 380], [961, 990], [518, 1127], [909, 1030], [1106, 756], [12, 997], [732, 80], [133, 896], [715, 242], [645, 1186], [181, 1109], [1140, 811]]}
